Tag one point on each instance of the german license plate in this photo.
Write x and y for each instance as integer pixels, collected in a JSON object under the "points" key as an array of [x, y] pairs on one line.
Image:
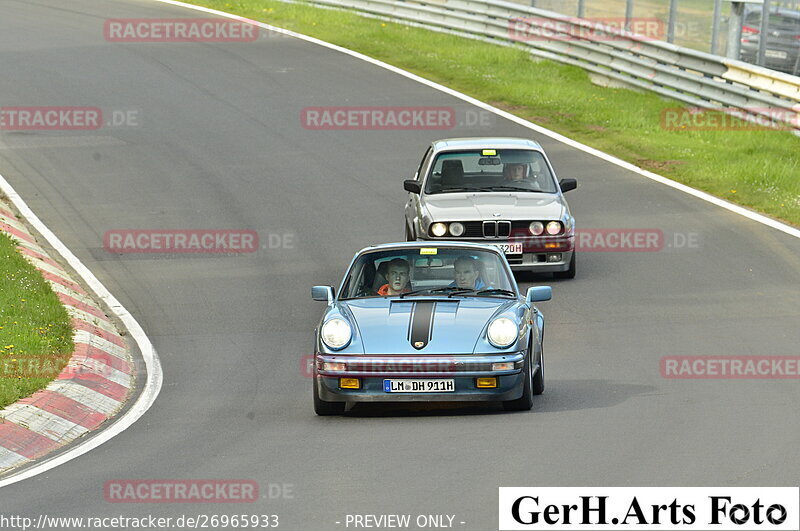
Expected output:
{"points": [[775, 54], [419, 386], [510, 248]]}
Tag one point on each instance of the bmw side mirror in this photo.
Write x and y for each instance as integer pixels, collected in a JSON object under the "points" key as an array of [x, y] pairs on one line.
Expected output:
{"points": [[539, 294], [567, 185], [322, 293], [412, 186]]}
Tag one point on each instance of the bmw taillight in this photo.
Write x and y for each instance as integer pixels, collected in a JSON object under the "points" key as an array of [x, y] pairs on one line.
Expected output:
{"points": [[747, 32]]}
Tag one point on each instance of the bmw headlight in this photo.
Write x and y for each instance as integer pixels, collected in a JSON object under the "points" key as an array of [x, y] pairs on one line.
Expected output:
{"points": [[502, 332], [456, 228], [438, 229], [553, 228], [536, 228], [336, 333]]}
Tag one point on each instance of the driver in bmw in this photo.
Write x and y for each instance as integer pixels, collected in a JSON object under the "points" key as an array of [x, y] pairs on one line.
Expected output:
{"points": [[516, 172]]}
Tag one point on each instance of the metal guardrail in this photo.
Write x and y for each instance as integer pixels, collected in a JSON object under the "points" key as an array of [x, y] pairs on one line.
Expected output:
{"points": [[693, 77]]}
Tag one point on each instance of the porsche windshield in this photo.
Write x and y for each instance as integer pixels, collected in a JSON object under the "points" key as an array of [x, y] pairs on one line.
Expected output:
{"points": [[428, 271], [490, 170]]}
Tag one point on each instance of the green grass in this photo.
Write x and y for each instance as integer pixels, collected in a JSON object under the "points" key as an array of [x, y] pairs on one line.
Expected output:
{"points": [[35, 331], [756, 169]]}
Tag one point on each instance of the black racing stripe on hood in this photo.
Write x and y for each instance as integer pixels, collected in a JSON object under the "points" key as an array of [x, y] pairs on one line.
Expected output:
{"points": [[421, 324]]}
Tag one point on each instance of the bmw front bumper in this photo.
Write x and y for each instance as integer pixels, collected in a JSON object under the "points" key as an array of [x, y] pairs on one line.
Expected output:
{"points": [[535, 256]]}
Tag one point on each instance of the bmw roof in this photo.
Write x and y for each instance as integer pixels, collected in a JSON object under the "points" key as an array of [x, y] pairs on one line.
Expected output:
{"points": [[485, 142], [437, 243]]}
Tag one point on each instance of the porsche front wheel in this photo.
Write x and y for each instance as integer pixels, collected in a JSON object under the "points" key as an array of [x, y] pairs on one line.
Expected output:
{"points": [[324, 408], [525, 402]]}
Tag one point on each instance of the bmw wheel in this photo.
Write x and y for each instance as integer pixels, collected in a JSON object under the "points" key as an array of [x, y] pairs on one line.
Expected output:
{"points": [[569, 273]]}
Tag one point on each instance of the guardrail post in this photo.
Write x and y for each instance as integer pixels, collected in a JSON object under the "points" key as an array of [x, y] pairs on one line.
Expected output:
{"points": [[581, 7], [762, 35], [673, 15], [715, 25], [735, 30], [628, 14]]}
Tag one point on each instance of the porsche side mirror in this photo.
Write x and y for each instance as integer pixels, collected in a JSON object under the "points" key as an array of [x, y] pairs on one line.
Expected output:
{"points": [[567, 185], [412, 186], [539, 294], [322, 293]]}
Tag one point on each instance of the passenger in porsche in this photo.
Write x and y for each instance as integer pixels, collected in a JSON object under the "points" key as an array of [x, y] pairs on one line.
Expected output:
{"points": [[397, 275]]}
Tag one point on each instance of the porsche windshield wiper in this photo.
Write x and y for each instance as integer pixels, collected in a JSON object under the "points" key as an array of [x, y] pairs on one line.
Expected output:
{"points": [[445, 289], [482, 292], [496, 291], [412, 292], [459, 291]]}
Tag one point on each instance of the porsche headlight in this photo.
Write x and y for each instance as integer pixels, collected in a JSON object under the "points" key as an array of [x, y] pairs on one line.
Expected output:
{"points": [[502, 332], [438, 229], [536, 228], [336, 333], [554, 227], [456, 228]]}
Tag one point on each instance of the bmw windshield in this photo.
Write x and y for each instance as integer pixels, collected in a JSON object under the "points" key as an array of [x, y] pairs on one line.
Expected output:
{"points": [[490, 170]]}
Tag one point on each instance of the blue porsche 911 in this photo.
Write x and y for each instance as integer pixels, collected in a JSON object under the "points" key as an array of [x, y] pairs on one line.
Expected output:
{"points": [[425, 321]]}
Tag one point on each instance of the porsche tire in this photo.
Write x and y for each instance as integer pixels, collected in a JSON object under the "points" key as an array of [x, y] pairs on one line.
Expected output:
{"points": [[324, 408], [538, 379], [525, 402]]}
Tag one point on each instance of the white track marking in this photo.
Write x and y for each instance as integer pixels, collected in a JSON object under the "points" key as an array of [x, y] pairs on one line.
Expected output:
{"points": [[152, 384], [755, 216]]}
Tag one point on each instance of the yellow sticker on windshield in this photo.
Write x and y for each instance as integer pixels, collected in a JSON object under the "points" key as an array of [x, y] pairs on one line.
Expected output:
{"points": [[428, 250], [489, 152]]}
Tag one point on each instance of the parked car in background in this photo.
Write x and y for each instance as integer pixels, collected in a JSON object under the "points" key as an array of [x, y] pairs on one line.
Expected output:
{"points": [[783, 38]]}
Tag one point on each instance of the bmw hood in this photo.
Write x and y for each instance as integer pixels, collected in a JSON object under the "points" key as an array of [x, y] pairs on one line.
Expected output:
{"points": [[480, 206], [422, 326]]}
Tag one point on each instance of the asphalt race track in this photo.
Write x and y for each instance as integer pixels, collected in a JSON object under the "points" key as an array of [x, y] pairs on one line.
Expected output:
{"points": [[218, 144]]}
